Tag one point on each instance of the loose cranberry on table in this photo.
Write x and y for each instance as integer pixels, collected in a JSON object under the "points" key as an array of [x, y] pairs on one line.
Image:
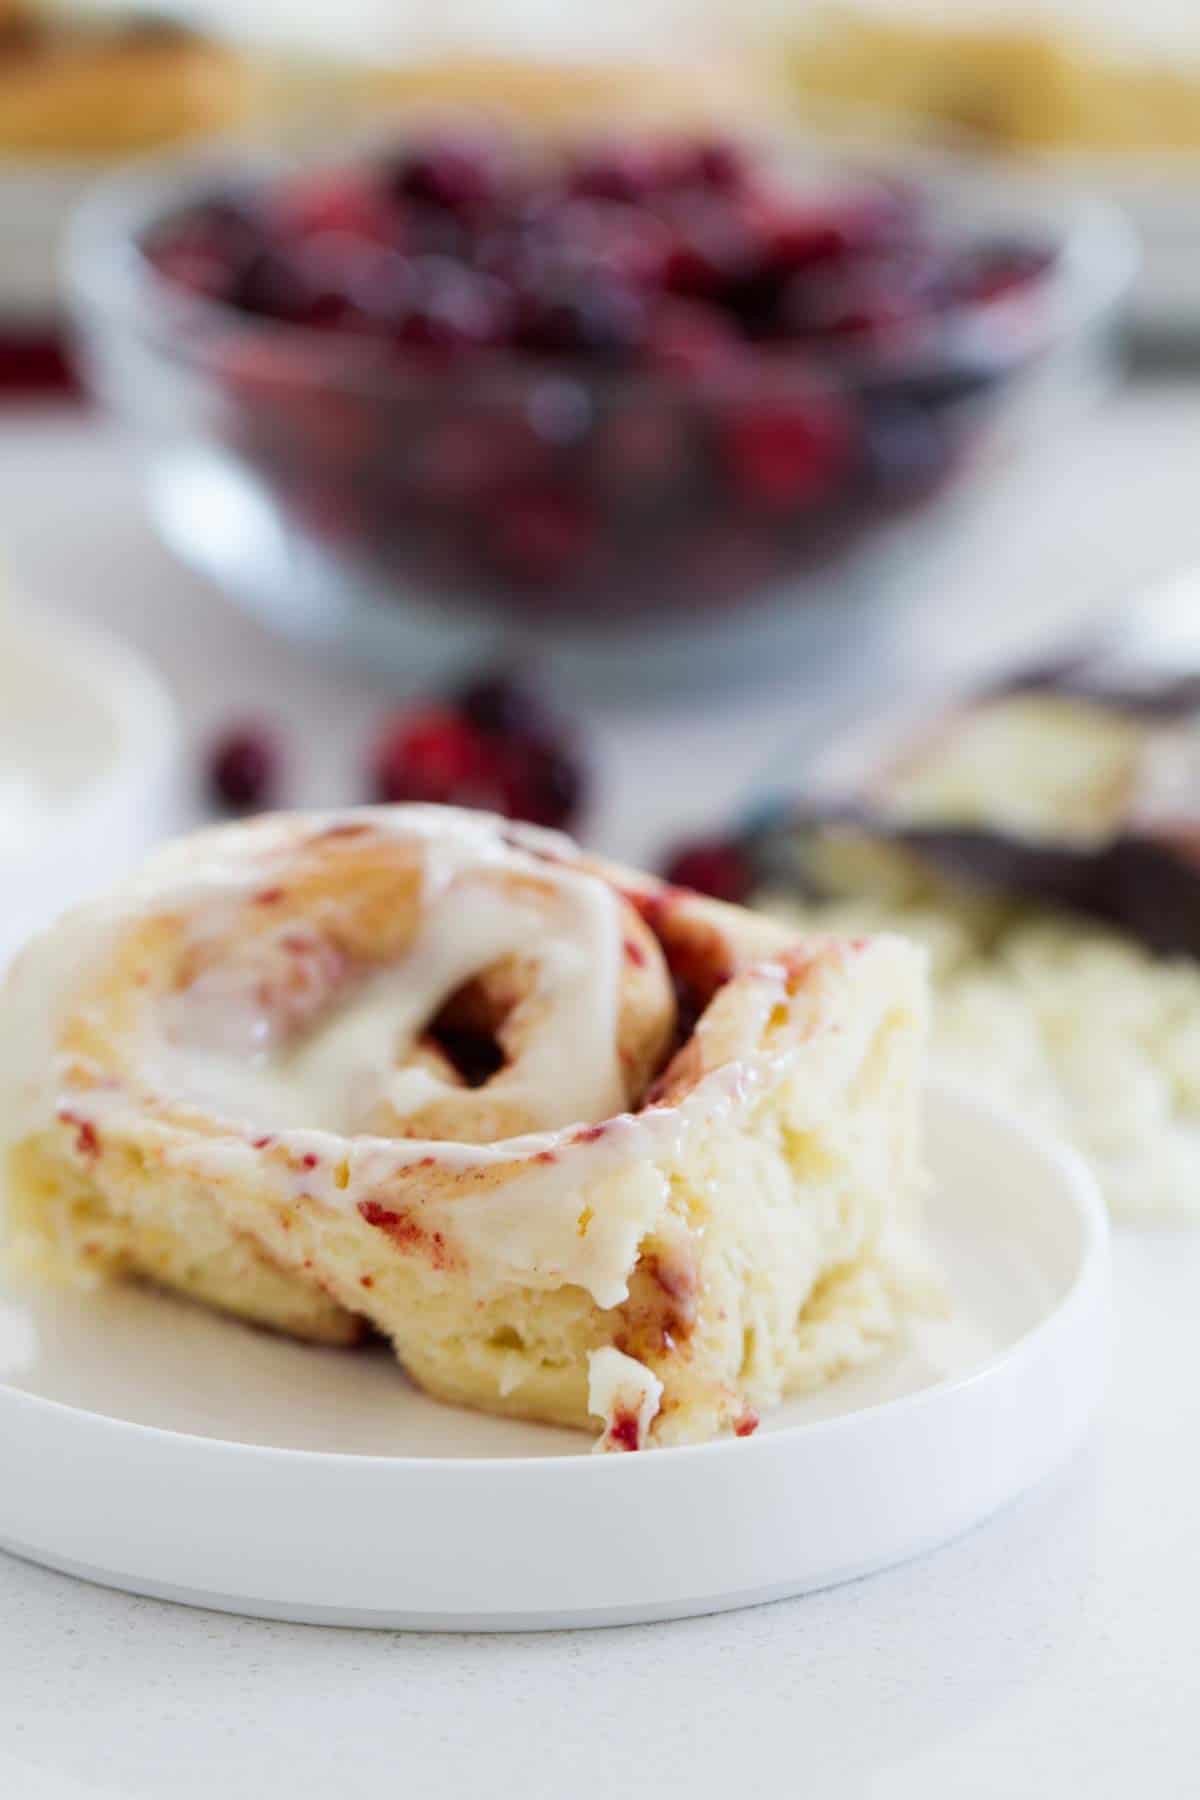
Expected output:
{"points": [[538, 537], [717, 867], [493, 745], [243, 769]]}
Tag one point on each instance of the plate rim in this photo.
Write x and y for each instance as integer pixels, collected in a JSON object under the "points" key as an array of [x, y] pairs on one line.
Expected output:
{"points": [[1076, 1180]]}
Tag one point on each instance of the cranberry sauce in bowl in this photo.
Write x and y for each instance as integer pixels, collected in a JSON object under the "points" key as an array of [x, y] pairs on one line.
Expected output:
{"points": [[586, 383]]}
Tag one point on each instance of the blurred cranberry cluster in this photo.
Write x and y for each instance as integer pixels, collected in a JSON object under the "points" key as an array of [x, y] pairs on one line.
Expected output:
{"points": [[492, 743], [625, 376]]}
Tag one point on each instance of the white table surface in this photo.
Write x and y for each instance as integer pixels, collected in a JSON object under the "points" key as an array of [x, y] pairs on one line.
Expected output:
{"points": [[1056, 1651]]}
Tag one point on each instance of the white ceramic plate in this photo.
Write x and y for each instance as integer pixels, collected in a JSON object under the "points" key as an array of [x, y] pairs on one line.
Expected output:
{"points": [[146, 1444]]}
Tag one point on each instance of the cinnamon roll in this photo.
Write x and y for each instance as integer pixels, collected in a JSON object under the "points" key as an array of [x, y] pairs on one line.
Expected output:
{"points": [[79, 86], [586, 1148]]}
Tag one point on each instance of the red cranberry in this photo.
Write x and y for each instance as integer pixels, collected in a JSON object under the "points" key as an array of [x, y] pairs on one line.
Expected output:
{"points": [[716, 163], [204, 249], [352, 282], [788, 453], [589, 314], [625, 242], [347, 202], [447, 307], [243, 770], [503, 706], [330, 509], [644, 448], [540, 536], [714, 252], [195, 266], [512, 764], [880, 302], [431, 754], [728, 561], [800, 233], [543, 784], [624, 1433], [465, 459], [615, 172], [796, 239], [460, 174], [542, 776], [273, 286], [712, 866], [688, 338]]}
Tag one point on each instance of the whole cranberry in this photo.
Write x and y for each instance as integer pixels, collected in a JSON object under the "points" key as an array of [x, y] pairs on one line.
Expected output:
{"points": [[540, 536], [196, 266], [243, 770], [352, 281], [727, 561], [272, 285], [460, 173], [686, 337], [880, 302], [431, 754], [615, 171], [350, 203], [645, 449], [802, 236], [493, 747], [714, 252], [717, 867], [466, 458], [205, 248], [541, 772], [785, 454], [503, 705], [624, 241], [803, 231], [590, 314], [714, 163], [446, 307], [543, 783]]}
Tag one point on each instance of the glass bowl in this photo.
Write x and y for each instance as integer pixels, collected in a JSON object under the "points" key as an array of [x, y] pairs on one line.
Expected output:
{"points": [[639, 524]]}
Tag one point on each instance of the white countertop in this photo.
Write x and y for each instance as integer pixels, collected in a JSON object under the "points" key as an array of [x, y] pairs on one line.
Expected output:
{"points": [[1054, 1651]]}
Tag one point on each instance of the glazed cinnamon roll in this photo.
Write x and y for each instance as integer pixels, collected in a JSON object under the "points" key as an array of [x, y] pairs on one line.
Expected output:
{"points": [[585, 1148]]}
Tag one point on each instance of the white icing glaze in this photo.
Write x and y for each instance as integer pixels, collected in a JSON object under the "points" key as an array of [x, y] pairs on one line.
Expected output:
{"points": [[217, 1046], [568, 1071], [625, 1394]]}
